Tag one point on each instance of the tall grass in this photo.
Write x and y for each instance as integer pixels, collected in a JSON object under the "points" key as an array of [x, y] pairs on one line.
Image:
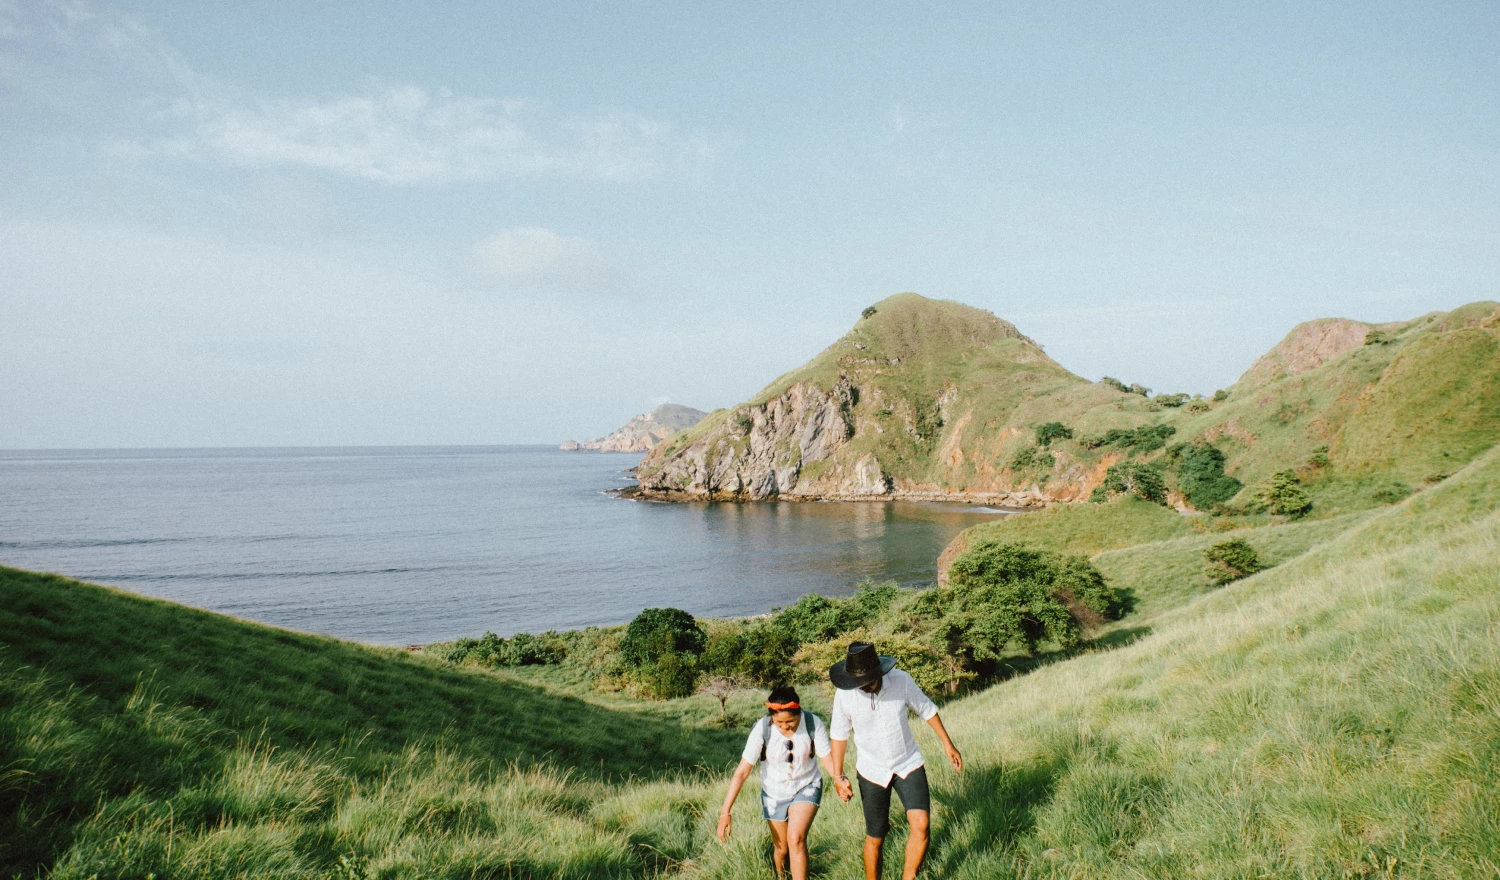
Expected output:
{"points": [[1335, 716]]}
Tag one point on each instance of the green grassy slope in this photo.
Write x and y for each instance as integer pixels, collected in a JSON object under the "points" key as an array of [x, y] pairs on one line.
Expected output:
{"points": [[1336, 716], [945, 396], [113, 706]]}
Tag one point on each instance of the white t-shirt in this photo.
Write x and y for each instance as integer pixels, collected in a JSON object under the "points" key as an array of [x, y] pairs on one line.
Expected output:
{"points": [[882, 733], [779, 777]]}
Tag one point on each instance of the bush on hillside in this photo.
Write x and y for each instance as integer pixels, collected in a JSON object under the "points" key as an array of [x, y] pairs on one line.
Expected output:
{"points": [[522, 649], [1030, 457], [656, 632], [1131, 478], [660, 652], [1134, 388], [1221, 395], [767, 657], [869, 311], [1003, 597], [1046, 433], [1146, 438], [1283, 494], [1231, 560], [1170, 400], [1200, 475]]}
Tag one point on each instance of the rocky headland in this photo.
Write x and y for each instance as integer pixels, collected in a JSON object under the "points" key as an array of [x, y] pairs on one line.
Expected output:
{"points": [[643, 432]]}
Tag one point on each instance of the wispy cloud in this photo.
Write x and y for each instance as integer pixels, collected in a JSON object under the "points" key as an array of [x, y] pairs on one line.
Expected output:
{"points": [[409, 135], [394, 133], [537, 257]]}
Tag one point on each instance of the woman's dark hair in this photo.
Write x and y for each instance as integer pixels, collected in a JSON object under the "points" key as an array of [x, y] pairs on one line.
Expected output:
{"points": [[782, 694]]}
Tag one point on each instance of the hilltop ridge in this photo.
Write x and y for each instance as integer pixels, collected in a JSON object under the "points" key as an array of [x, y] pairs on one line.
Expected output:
{"points": [[935, 400]]}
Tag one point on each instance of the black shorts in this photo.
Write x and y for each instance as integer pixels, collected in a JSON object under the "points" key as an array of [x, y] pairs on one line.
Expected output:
{"points": [[876, 799]]}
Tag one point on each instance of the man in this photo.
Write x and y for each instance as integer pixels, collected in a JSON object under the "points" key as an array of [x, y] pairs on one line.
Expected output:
{"points": [[872, 699]]}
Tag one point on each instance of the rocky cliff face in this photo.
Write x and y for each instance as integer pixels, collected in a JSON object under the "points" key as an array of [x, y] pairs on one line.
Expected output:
{"points": [[643, 432]]}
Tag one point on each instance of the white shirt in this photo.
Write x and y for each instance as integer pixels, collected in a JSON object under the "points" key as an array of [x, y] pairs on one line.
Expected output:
{"points": [[882, 733], [780, 778]]}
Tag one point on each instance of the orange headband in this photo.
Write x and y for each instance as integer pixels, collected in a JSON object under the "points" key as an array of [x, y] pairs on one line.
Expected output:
{"points": [[782, 707]]}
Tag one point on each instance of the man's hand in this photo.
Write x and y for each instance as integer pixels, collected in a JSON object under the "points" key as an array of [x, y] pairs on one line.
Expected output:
{"points": [[844, 788], [724, 822], [954, 757]]}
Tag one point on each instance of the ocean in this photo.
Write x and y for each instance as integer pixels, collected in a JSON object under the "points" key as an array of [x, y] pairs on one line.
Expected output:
{"points": [[407, 545]]}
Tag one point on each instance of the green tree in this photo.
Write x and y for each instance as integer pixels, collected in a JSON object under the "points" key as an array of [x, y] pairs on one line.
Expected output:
{"points": [[1231, 560], [1132, 478], [1004, 596], [1200, 475], [1046, 433], [656, 632], [768, 652], [1283, 493]]}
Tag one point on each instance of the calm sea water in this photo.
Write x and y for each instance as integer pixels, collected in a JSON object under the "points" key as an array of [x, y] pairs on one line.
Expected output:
{"points": [[406, 545]]}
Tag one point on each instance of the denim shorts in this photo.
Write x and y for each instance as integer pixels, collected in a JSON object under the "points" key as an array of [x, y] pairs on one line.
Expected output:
{"points": [[775, 811]]}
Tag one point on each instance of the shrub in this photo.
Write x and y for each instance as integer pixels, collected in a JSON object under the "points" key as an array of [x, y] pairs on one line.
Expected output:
{"points": [[660, 652], [1319, 458], [813, 618], [522, 649], [767, 657], [1170, 400], [868, 312], [1146, 438], [1200, 475], [672, 675], [1197, 406], [723, 652], [1231, 560], [744, 422], [1283, 493], [1050, 431], [1004, 596], [1132, 478], [1221, 395], [1133, 388], [657, 632], [1023, 459]]}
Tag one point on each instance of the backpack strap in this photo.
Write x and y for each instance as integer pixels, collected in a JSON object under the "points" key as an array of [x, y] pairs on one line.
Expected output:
{"points": [[809, 724]]}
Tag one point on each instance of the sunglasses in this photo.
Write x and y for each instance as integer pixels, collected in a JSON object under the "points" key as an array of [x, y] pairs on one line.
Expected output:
{"points": [[789, 751]]}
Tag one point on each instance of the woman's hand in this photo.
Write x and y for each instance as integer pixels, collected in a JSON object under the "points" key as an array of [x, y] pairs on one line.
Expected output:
{"points": [[844, 788], [723, 832]]}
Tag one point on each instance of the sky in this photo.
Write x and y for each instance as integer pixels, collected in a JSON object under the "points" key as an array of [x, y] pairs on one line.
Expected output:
{"points": [[268, 224]]}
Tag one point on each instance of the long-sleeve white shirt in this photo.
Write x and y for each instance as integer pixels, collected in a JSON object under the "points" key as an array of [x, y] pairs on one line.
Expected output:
{"points": [[882, 733]]}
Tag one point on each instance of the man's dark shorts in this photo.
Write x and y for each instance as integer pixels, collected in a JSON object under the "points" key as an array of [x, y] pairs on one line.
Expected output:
{"points": [[877, 800]]}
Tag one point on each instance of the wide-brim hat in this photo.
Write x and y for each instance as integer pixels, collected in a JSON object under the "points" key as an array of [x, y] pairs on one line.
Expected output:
{"points": [[860, 666]]}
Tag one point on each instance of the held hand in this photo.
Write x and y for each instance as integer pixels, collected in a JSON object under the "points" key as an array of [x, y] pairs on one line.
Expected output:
{"points": [[845, 789], [723, 832], [954, 758]]}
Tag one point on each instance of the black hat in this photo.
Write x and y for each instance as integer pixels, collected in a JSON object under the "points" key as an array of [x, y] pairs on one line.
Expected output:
{"points": [[860, 667]]}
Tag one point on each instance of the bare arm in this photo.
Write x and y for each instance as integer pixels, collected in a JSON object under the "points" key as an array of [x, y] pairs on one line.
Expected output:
{"points": [[837, 748], [954, 758], [736, 782]]}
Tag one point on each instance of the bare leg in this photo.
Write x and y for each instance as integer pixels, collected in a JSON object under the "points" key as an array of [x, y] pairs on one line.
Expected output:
{"points": [[872, 857], [916, 843], [799, 819], [778, 847]]}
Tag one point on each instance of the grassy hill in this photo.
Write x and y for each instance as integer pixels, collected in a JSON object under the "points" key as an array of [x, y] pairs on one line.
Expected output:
{"points": [[212, 744], [1337, 715], [931, 399]]}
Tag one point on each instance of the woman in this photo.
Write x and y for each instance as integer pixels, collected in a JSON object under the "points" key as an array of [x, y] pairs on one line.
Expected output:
{"points": [[784, 744]]}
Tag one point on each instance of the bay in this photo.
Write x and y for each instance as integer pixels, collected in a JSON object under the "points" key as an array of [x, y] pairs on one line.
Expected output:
{"points": [[403, 545]]}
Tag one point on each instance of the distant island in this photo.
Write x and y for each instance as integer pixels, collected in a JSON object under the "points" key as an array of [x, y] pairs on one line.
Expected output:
{"points": [[643, 432]]}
